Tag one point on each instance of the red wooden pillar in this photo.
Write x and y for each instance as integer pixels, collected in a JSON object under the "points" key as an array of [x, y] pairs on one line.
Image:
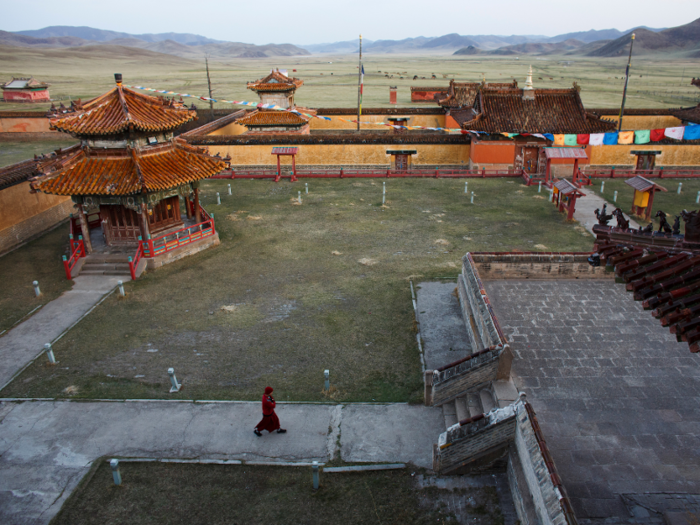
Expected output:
{"points": [[84, 228], [572, 207], [575, 167], [188, 207], [294, 168], [197, 211], [279, 170]]}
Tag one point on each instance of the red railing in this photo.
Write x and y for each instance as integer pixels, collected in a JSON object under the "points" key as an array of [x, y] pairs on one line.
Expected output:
{"points": [[77, 249], [153, 247], [134, 262], [612, 173], [341, 173]]}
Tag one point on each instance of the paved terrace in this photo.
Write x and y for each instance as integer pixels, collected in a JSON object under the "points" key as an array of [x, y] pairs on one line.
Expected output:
{"points": [[617, 397]]}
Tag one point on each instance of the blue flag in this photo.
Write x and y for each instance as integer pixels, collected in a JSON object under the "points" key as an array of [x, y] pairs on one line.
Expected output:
{"points": [[610, 139]]}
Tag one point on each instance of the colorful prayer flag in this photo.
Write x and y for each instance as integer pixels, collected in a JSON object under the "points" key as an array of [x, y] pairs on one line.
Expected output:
{"points": [[596, 139], [583, 138], [657, 134], [610, 139], [642, 136], [625, 137], [675, 133], [692, 133], [559, 140], [549, 136], [570, 140]]}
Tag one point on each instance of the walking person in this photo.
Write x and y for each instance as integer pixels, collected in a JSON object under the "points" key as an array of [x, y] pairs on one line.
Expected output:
{"points": [[270, 421]]}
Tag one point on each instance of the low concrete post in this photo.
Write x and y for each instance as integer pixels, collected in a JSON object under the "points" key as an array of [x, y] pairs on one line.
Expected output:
{"points": [[218, 198], [466, 186], [327, 380], [314, 469], [602, 186], [121, 286], [115, 472], [229, 189], [539, 187], [37, 292], [173, 381], [49, 354], [680, 185], [472, 200], [299, 197], [697, 199], [306, 186], [615, 196]]}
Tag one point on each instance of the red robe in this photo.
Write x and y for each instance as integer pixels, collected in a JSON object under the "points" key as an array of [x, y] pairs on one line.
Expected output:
{"points": [[270, 421]]}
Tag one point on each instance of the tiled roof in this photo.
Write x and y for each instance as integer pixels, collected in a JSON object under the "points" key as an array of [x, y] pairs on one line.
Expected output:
{"points": [[25, 170], [276, 81], [566, 187], [462, 115], [272, 118], [639, 183], [551, 111], [688, 114], [120, 110], [463, 94], [125, 171], [24, 83]]}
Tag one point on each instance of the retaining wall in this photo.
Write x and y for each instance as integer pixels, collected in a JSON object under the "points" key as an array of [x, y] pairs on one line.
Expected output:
{"points": [[537, 265]]}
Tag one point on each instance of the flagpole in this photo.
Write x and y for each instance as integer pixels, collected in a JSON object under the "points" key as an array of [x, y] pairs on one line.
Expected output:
{"points": [[624, 91], [359, 86]]}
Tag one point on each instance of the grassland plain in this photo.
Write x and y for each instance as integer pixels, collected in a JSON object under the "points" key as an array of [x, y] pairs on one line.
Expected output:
{"points": [[331, 81], [39, 260], [228, 494], [13, 152], [296, 289], [670, 202]]}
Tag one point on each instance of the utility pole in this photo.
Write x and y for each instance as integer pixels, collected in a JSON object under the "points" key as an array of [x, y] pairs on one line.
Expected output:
{"points": [[624, 92], [211, 102], [359, 86]]}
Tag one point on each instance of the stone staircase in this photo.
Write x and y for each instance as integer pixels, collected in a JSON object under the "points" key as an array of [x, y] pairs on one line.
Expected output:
{"points": [[106, 264], [468, 405]]}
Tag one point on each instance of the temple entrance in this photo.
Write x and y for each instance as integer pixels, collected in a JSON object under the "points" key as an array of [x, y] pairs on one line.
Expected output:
{"points": [[401, 163], [646, 161], [400, 159], [528, 158], [164, 215], [120, 224]]}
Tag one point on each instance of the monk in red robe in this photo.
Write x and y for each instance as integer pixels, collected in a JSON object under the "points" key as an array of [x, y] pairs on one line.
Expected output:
{"points": [[270, 421]]}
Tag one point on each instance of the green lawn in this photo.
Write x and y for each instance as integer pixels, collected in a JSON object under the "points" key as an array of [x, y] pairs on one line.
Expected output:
{"points": [[13, 152], [235, 495], [39, 260], [670, 202], [324, 285]]}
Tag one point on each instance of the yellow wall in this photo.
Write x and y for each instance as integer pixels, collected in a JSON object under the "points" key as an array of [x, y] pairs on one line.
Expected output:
{"points": [[346, 154], [428, 121], [672, 154], [230, 129], [645, 121], [18, 204], [38, 124]]}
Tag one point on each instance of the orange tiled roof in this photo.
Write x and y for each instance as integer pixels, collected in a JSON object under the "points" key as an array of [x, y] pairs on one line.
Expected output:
{"points": [[272, 118], [126, 171], [122, 109], [275, 81], [463, 94]]}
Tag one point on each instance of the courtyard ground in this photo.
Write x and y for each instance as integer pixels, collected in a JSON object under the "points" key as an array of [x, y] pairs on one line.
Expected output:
{"points": [[616, 396], [296, 289]]}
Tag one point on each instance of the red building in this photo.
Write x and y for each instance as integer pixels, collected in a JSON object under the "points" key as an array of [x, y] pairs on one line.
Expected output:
{"points": [[25, 90]]}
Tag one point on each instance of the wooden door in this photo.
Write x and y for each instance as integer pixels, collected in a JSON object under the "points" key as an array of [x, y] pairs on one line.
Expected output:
{"points": [[164, 215], [645, 162], [401, 162], [530, 159], [122, 224]]}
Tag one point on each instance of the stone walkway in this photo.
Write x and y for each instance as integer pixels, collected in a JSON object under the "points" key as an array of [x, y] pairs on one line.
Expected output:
{"points": [[586, 206], [46, 447], [23, 343], [617, 397]]}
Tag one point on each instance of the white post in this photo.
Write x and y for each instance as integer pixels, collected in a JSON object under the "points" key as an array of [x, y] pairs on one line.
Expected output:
{"points": [[383, 193], [466, 183], [697, 199], [602, 187], [121, 288], [472, 201], [173, 381], [115, 472], [306, 186], [37, 292], [615, 196], [327, 382], [680, 185], [229, 189], [539, 187], [218, 198], [299, 197], [49, 354], [314, 469]]}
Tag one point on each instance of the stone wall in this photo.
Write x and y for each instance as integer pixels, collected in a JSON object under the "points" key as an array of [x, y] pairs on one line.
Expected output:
{"points": [[462, 377], [30, 228], [505, 265]]}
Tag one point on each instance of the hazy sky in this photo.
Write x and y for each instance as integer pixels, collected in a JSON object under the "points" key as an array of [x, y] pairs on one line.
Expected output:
{"points": [[315, 21]]}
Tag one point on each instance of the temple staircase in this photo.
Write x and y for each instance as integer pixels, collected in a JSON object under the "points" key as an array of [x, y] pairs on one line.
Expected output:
{"points": [[467, 406], [106, 264]]}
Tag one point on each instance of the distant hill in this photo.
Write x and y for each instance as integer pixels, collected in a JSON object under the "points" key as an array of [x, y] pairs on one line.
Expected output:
{"points": [[685, 39], [531, 48], [103, 35], [588, 36], [469, 51], [450, 41]]}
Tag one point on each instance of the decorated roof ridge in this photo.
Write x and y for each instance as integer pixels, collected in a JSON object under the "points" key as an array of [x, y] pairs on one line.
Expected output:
{"points": [[263, 117], [29, 82], [275, 81], [119, 110], [461, 94], [125, 171]]}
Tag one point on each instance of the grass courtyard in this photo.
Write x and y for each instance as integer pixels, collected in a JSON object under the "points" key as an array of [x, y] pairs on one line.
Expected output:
{"points": [[229, 494], [296, 289]]}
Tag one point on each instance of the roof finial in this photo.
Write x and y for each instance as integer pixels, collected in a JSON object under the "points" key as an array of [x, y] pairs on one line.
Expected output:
{"points": [[528, 90], [528, 83], [118, 78]]}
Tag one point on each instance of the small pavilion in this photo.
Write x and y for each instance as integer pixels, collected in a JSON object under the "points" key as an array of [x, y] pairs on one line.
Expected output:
{"points": [[564, 195], [644, 191], [25, 90], [127, 169], [550, 154]]}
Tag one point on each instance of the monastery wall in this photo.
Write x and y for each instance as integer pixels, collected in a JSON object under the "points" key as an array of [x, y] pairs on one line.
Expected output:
{"points": [[37, 123], [630, 122], [345, 154], [428, 121], [672, 155], [24, 215]]}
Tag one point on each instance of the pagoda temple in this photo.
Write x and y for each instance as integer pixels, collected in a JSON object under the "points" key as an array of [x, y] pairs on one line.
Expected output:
{"points": [[128, 170], [276, 89]]}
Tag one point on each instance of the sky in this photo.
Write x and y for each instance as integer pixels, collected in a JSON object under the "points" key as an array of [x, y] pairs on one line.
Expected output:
{"points": [[314, 21]]}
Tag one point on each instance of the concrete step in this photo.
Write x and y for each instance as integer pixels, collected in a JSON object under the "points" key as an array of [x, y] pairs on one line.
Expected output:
{"points": [[88, 271], [461, 408], [474, 405], [101, 258], [487, 402], [449, 412], [89, 265]]}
